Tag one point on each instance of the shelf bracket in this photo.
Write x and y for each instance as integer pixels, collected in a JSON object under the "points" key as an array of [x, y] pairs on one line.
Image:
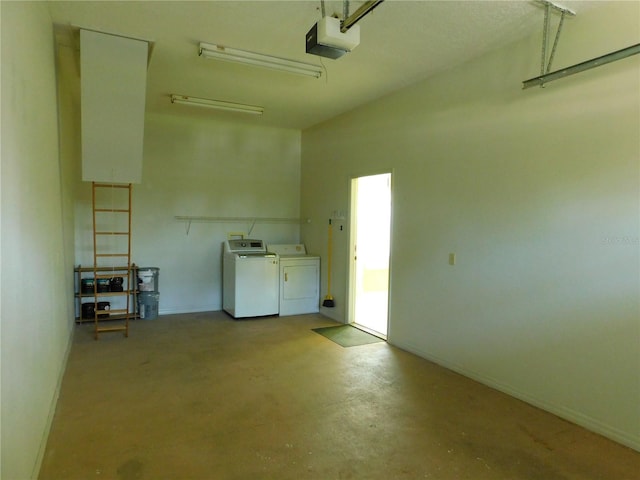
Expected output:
{"points": [[253, 224]]}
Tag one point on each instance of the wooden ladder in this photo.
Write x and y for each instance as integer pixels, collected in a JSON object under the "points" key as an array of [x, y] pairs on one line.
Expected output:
{"points": [[112, 253]]}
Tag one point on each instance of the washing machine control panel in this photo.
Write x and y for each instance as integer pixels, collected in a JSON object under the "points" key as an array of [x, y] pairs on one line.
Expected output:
{"points": [[246, 245]]}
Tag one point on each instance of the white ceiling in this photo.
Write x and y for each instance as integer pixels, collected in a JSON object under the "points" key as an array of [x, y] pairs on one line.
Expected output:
{"points": [[401, 42]]}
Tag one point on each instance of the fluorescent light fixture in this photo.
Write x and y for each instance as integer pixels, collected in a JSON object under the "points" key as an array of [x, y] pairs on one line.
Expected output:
{"points": [[217, 104], [218, 52]]}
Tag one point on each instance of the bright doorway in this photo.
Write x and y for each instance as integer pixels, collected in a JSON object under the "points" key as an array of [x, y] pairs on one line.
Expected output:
{"points": [[370, 251]]}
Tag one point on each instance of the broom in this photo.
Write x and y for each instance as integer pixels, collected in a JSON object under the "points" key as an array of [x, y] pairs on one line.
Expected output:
{"points": [[328, 300]]}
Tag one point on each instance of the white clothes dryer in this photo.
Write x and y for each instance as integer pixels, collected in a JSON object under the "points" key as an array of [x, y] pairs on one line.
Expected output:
{"points": [[299, 279]]}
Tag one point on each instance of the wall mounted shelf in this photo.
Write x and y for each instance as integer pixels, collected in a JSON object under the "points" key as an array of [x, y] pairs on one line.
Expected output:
{"points": [[188, 219]]}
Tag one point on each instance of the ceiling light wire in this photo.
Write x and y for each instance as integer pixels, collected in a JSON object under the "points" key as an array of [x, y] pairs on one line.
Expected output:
{"points": [[326, 72]]}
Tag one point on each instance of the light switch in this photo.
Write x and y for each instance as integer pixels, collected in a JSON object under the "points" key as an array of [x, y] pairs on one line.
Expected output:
{"points": [[452, 259]]}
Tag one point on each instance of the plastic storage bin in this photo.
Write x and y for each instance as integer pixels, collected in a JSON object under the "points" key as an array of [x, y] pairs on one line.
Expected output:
{"points": [[148, 279], [148, 305]]}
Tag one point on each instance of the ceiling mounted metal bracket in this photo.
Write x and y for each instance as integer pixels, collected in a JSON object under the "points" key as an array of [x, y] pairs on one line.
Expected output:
{"points": [[581, 67], [350, 20], [545, 67], [545, 74]]}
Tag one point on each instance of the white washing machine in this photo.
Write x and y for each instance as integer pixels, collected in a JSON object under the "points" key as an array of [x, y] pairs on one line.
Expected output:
{"points": [[299, 279], [250, 276]]}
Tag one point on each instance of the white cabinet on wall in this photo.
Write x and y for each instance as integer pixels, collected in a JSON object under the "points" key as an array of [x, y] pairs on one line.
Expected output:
{"points": [[114, 81]]}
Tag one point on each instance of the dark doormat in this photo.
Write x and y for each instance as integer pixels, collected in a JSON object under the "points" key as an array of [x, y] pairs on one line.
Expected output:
{"points": [[347, 335]]}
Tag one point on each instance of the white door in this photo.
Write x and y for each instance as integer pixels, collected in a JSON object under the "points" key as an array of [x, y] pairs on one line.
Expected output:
{"points": [[371, 228]]}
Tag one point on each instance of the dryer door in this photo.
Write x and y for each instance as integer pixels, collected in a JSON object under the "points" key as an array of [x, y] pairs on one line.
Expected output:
{"points": [[300, 282], [299, 288]]}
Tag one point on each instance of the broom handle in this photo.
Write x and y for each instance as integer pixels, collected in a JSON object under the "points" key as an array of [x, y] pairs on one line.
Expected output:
{"points": [[329, 259]]}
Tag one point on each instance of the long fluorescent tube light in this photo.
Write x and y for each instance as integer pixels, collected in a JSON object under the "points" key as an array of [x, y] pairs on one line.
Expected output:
{"points": [[581, 67], [219, 52], [217, 104]]}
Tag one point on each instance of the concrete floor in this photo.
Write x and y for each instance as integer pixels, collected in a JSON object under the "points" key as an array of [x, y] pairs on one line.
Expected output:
{"points": [[202, 396]]}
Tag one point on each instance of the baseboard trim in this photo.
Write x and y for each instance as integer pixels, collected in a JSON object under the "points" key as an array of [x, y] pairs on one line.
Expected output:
{"points": [[190, 309], [561, 411], [53, 406], [331, 313]]}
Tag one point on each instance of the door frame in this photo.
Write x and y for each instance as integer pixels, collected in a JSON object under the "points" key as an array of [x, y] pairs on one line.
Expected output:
{"points": [[351, 279]]}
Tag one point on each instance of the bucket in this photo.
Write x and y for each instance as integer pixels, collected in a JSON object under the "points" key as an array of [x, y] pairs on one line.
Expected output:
{"points": [[148, 305], [104, 306], [87, 285], [148, 279], [115, 284], [89, 312], [103, 285]]}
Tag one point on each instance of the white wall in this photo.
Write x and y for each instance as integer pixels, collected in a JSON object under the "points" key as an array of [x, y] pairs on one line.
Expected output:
{"points": [[36, 266], [536, 192], [209, 167]]}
